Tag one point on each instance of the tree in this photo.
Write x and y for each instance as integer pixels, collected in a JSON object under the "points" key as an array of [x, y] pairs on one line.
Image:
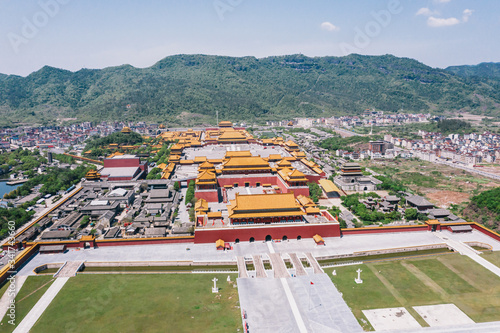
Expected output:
{"points": [[315, 192], [411, 214], [177, 187], [190, 192]]}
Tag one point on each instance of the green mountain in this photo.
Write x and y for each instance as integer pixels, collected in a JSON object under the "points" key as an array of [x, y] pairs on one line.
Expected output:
{"points": [[188, 89], [488, 70]]}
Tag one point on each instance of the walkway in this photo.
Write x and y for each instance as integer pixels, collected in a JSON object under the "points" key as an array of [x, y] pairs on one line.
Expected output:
{"points": [[316, 267], [471, 253], [6, 298], [242, 267], [297, 264], [259, 266], [42, 304], [279, 267], [70, 269]]}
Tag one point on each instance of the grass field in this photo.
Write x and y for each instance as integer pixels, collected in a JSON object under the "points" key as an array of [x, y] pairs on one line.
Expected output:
{"points": [[143, 303], [385, 256], [34, 287], [421, 281], [493, 257]]}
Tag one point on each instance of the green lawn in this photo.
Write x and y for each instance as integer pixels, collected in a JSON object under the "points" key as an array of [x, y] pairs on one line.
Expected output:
{"points": [[446, 279], [371, 294], [493, 257], [422, 281], [143, 303], [411, 288], [27, 298], [385, 256]]}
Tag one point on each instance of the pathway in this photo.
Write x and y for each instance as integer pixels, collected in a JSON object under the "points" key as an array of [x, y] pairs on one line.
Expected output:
{"points": [[279, 267], [70, 269], [242, 267], [5, 300], [297, 264], [316, 267], [42, 304], [259, 266]]}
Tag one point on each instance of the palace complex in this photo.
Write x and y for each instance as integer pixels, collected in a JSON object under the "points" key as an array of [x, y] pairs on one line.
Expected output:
{"points": [[246, 189]]}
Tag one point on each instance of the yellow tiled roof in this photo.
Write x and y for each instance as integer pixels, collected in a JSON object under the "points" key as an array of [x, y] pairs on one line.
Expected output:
{"points": [[242, 153], [283, 204], [214, 214], [246, 161], [312, 210], [317, 238], [199, 159], [201, 204], [328, 186], [305, 201]]}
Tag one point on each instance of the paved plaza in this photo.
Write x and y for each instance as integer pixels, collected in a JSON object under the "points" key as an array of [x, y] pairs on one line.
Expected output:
{"points": [[319, 304], [443, 315], [390, 319]]}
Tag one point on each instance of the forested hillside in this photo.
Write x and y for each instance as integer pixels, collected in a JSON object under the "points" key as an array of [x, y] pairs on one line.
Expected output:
{"points": [[188, 89], [485, 208], [489, 70]]}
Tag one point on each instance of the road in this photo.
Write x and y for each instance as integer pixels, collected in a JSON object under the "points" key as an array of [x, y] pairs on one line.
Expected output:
{"points": [[479, 172]]}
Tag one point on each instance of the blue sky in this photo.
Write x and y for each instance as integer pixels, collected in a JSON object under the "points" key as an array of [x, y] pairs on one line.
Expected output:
{"points": [[74, 34]]}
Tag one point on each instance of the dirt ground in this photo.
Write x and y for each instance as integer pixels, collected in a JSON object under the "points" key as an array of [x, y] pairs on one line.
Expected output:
{"points": [[444, 199], [490, 168], [443, 185]]}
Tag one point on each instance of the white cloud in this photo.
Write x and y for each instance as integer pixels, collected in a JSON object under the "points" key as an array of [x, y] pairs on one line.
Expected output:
{"points": [[437, 22], [329, 26], [466, 14], [425, 11], [442, 1]]}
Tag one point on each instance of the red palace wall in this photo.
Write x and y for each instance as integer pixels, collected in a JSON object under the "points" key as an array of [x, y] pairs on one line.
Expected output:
{"points": [[273, 180], [121, 162], [259, 233], [314, 178], [210, 196], [241, 180], [139, 241]]}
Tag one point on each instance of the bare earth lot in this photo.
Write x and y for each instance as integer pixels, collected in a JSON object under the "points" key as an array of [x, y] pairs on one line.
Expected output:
{"points": [[441, 184]]}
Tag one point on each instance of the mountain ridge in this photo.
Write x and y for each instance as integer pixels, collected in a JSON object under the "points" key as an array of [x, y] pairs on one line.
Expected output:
{"points": [[190, 88]]}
